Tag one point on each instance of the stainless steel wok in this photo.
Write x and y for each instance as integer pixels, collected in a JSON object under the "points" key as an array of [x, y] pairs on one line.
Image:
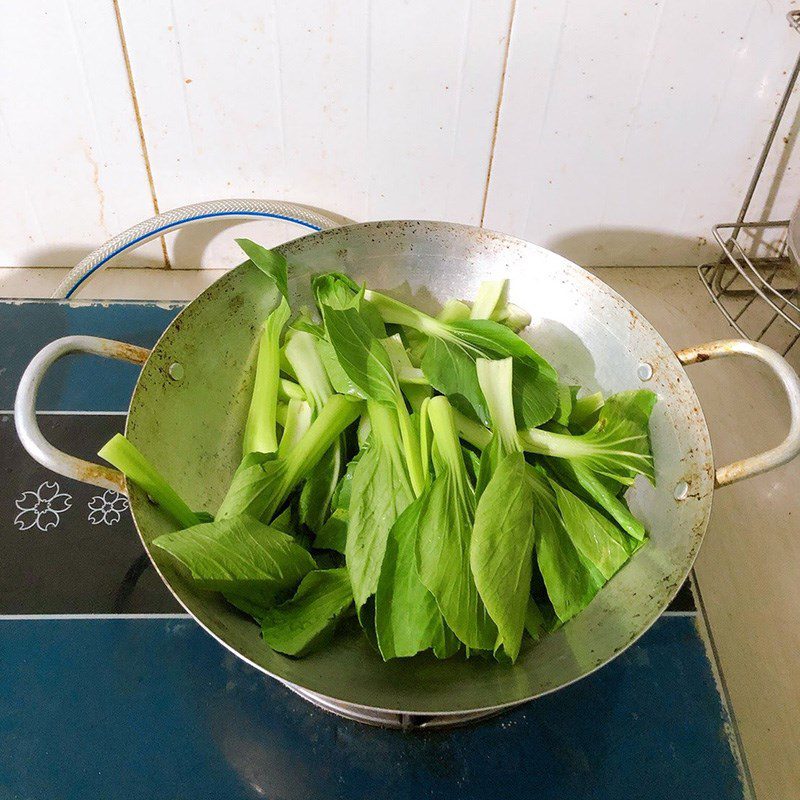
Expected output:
{"points": [[188, 410]]}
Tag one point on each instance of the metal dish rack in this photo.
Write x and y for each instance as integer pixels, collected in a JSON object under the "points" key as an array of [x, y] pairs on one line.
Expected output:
{"points": [[753, 283]]}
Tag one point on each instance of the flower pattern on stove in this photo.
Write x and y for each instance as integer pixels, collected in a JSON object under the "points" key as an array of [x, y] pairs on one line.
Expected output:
{"points": [[107, 507], [42, 508]]}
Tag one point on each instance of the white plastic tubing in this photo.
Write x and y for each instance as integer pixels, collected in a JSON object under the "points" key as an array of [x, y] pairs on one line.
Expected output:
{"points": [[177, 218]]}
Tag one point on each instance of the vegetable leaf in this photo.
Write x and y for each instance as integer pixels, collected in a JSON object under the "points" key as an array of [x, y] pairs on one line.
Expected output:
{"points": [[492, 296], [597, 539], [255, 487], [617, 447], [270, 262], [381, 491], [585, 412], [308, 621], [445, 643], [339, 291], [566, 400], [295, 425], [535, 384], [361, 356], [513, 317], [318, 488], [407, 619], [336, 290], [570, 584], [367, 364], [240, 556], [333, 533], [261, 483], [302, 353], [501, 548], [496, 380], [454, 311], [450, 369], [405, 371], [585, 483], [444, 534]]}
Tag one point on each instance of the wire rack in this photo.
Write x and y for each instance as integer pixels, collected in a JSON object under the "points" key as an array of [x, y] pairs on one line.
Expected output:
{"points": [[755, 281]]}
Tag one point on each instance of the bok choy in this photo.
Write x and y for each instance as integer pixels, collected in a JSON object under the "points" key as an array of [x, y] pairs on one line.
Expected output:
{"points": [[429, 479]]}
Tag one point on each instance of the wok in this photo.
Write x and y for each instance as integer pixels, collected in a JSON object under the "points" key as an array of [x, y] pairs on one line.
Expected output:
{"points": [[188, 409]]}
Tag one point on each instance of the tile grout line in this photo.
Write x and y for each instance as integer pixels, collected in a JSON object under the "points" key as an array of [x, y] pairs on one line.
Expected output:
{"points": [[139, 125], [497, 111], [723, 684]]}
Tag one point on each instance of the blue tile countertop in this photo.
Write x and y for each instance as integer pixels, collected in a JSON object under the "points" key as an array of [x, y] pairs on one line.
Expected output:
{"points": [[107, 691]]}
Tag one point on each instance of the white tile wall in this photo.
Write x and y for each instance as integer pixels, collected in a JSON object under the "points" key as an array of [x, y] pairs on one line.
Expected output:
{"points": [[626, 133], [372, 109], [624, 130], [71, 166]]}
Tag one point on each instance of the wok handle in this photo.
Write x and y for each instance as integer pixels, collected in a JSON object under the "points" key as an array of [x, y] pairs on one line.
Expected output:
{"points": [[25, 408], [790, 446]]}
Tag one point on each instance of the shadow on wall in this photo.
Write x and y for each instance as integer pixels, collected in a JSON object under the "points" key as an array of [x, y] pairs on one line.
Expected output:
{"points": [[210, 245], [611, 247], [69, 256], [598, 247]]}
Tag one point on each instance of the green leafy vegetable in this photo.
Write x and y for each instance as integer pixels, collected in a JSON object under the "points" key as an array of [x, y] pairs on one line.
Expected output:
{"points": [[535, 623], [361, 355], [270, 262], [333, 533], [295, 425], [127, 458], [307, 621], [319, 486], [338, 291], [454, 311], [451, 352], [513, 317], [257, 485], [501, 548], [457, 495], [584, 413], [381, 491], [596, 538], [444, 535], [303, 355], [407, 619], [566, 400], [496, 380], [585, 483], [366, 363], [571, 584], [240, 557], [259, 433], [406, 372], [289, 390], [491, 298], [261, 484], [617, 447]]}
